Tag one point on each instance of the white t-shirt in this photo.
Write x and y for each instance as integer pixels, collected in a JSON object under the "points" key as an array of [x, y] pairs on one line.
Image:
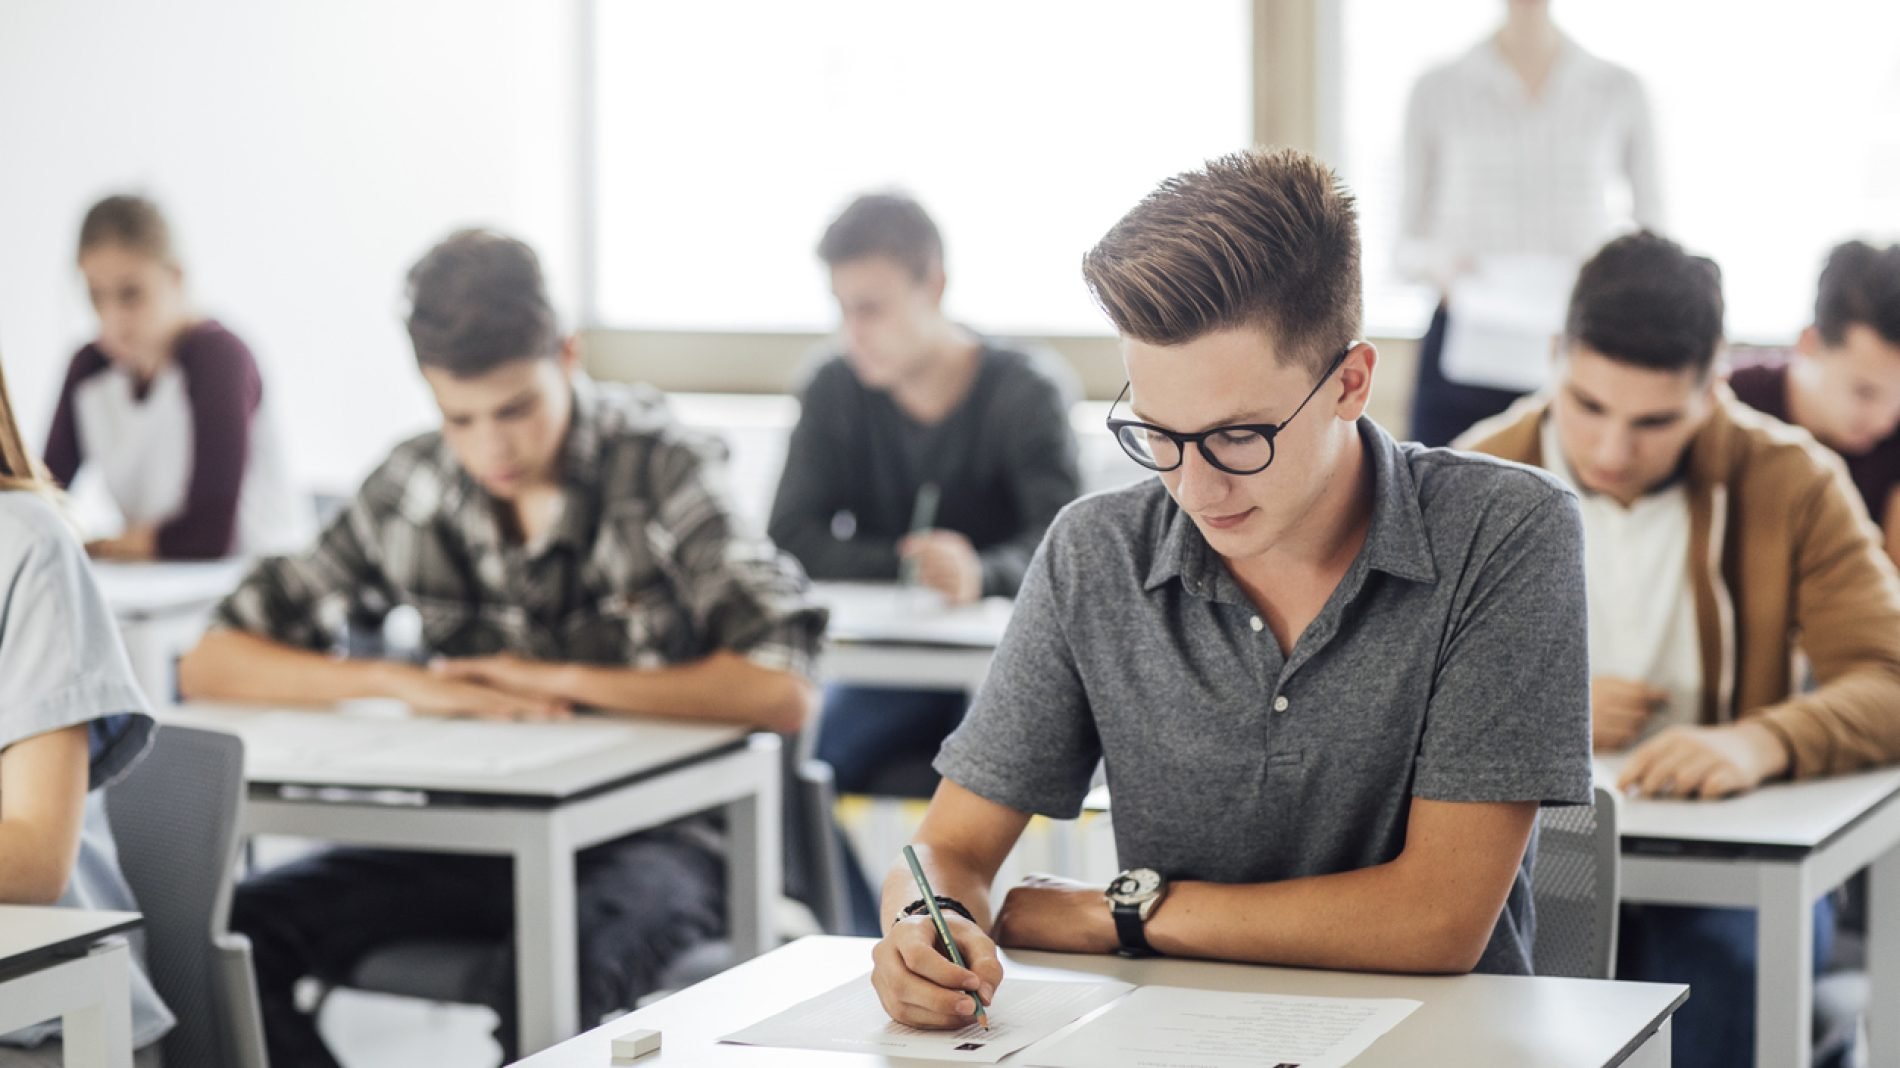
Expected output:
{"points": [[1641, 602]]}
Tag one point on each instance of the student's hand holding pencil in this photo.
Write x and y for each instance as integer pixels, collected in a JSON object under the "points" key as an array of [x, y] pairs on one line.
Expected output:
{"points": [[945, 561], [918, 984]]}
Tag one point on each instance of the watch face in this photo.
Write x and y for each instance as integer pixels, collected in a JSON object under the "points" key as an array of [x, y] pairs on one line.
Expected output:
{"points": [[1133, 887]]}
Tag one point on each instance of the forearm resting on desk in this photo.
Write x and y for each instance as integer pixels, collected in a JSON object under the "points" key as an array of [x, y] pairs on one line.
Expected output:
{"points": [[724, 687], [1432, 909], [231, 665]]}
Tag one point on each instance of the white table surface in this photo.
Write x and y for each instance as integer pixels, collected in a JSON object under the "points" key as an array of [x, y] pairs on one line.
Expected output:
{"points": [[1777, 850], [1464, 1020], [29, 931], [65, 964], [1799, 815], [362, 745], [354, 789], [890, 614], [883, 634], [144, 590]]}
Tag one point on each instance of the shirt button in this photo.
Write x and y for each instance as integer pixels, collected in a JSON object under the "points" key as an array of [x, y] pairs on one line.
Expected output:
{"points": [[1256, 624], [1280, 703]]}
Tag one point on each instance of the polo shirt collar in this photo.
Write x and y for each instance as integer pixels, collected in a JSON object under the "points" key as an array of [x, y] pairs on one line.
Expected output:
{"points": [[1396, 544]]}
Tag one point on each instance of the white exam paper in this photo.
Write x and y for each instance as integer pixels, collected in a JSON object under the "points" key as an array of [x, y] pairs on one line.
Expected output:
{"points": [[1159, 1026], [1499, 320], [849, 1019]]}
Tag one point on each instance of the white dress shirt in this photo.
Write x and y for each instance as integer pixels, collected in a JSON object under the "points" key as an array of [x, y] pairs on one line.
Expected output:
{"points": [[1491, 170]]}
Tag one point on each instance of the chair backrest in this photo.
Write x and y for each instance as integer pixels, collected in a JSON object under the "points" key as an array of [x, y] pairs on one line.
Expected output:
{"points": [[1574, 889], [175, 822]]}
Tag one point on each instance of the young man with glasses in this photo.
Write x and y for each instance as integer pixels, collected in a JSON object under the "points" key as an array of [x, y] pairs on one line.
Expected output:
{"points": [[1300, 651]]}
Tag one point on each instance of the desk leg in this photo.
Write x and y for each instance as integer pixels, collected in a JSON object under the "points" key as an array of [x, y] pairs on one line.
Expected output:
{"points": [[753, 852], [1883, 961], [547, 991], [100, 1035], [1784, 978]]}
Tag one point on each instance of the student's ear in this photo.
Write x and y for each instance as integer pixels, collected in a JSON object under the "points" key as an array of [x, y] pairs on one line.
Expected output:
{"points": [[1809, 343], [570, 355], [1355, 374], [935, 282]]}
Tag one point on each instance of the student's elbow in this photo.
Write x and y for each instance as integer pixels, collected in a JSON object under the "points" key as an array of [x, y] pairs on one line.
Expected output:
{"points": [[1455, 941], [791, 703], [200, 671], [43, 884], [38, 872]]}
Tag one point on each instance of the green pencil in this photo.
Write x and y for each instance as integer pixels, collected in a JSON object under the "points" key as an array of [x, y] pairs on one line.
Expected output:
{"points": [[943, 929]]}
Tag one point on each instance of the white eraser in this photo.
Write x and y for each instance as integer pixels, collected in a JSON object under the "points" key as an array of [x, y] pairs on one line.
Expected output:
{"points": [[636, 1044]]}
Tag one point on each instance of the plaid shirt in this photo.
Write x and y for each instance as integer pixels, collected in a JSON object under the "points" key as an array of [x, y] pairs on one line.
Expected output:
{"points": [[644, 566]]}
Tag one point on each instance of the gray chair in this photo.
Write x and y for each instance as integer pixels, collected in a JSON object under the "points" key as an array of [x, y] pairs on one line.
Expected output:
{"points": [[175, 822], [455, 970], [1574, 889]]}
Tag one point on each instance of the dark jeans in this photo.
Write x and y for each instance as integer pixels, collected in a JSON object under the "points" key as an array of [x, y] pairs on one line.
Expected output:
{"points": [[881, 741], [1443, 409], [641, 902], [1712, 950]]}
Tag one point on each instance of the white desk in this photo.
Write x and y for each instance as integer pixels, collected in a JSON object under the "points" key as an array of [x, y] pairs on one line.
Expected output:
{"points": [[883, 634], [1465, 1020], [66, 964], [1777, 850], [522, 791], [162, 608]]}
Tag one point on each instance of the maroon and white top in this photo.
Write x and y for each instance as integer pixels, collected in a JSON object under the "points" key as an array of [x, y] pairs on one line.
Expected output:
{"points": [[192, 451]]}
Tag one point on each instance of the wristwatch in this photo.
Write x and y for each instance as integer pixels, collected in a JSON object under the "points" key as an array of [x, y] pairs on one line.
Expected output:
{"points": [[1132, 897]]}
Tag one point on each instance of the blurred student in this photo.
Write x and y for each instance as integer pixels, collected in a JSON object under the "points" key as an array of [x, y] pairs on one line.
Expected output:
{"points": [[1515, 154], [566, 545], [1842, 383], [915, 400], [72, 720], [168, 408], [1716, 539]]}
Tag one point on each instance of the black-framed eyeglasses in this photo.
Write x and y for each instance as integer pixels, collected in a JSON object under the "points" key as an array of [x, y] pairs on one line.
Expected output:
{"points": [[1237, 448]]}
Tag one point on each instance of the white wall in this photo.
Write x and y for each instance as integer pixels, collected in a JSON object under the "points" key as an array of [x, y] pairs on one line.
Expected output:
{"points": [[307, 154]]}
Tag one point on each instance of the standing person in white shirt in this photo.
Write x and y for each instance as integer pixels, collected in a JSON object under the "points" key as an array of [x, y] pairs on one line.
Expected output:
{"points": [[169, 408], [1513, 152]]}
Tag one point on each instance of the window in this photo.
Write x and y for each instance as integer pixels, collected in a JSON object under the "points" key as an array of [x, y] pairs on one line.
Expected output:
{"points": [[1776, 127], [729, 134]]}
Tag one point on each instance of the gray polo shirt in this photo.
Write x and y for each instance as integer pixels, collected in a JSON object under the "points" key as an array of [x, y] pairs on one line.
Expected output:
{"points": [[1449, 664]]}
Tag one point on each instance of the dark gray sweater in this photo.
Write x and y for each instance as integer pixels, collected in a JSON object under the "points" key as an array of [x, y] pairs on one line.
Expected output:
{"points": [[1004, 461]]}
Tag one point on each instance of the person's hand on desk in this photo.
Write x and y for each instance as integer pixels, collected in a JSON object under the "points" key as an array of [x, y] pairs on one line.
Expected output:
{"points": [[1618, 710], [1055, 914], [439, 692], [1704, 762], [945, 562], [138, 543], [918, 985]]}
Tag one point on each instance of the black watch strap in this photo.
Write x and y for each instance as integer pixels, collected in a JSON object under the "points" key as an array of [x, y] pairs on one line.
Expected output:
{"points": [[1131, 931], [947, 904]]}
